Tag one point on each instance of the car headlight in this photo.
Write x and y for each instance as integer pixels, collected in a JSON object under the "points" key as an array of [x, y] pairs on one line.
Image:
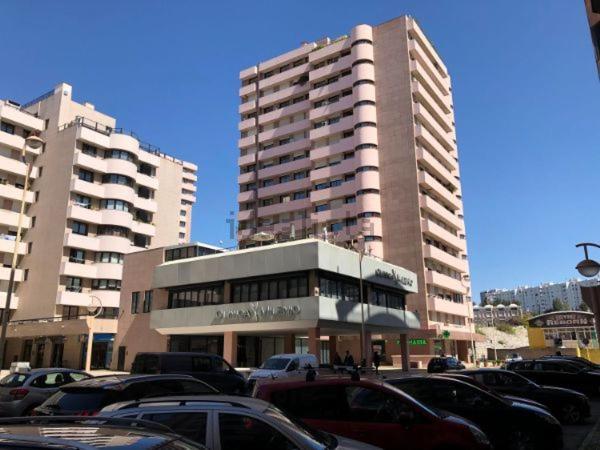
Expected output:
{"points": [[479, 435]]}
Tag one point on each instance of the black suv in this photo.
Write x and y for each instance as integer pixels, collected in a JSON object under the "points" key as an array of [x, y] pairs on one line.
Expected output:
{"points": [[76, 433], [88, 397], [207, 367], [442, 363]]}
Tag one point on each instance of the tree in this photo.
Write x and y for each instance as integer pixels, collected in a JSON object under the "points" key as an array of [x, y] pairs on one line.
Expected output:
{"points": [[559, 305], [583, 307]]}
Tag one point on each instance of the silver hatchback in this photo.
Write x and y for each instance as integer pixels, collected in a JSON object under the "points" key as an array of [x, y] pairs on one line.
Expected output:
{"points": [[20, 393], [222, 422]]}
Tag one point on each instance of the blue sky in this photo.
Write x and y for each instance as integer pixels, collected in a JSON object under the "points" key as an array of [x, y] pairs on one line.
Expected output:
{"points": [[526, 96]]}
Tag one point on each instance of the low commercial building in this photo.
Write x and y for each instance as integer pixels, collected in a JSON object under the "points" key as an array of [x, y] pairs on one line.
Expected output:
{"points": [[301, 296], [568, 329], [488, 315]]}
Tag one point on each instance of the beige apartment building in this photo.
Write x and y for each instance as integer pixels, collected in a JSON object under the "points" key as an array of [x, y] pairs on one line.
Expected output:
{"points": [[96, 194], [353, 140]]}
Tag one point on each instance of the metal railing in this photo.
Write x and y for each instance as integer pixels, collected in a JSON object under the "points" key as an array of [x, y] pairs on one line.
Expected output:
{"points": [[39, 99]]}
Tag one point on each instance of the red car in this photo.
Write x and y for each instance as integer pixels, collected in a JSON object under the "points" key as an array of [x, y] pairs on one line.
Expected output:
{"points": [[370, 411]]}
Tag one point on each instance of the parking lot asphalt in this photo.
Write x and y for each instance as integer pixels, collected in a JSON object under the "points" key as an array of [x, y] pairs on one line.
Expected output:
{"points": [[575, 435]]}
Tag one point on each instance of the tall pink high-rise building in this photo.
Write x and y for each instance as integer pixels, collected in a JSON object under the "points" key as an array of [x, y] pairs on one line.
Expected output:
{"points": [[355, 136]]}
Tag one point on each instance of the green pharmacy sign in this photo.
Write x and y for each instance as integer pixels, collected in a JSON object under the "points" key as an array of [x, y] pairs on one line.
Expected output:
{"points": [[417, 341]]}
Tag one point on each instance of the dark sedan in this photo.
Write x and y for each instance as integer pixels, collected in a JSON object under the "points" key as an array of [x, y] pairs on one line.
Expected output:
{"points": [[509, 425], [567, 405], [561, 373]]}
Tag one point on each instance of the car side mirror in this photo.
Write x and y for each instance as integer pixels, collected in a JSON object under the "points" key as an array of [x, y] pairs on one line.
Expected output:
{"points": [[406, 417]]}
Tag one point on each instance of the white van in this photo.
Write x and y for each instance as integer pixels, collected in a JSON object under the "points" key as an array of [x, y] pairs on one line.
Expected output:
{"points": [[285, 365]]}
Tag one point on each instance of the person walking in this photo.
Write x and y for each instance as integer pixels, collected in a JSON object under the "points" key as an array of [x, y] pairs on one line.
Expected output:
{"points": [[348, 359], [376, 362]]}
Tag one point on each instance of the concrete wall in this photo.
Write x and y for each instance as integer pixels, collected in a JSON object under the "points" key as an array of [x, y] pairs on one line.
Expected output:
{"points": [[134, 330]]}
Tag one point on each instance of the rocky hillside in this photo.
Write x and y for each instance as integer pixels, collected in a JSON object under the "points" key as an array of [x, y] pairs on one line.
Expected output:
{"points": [[502, 339]]}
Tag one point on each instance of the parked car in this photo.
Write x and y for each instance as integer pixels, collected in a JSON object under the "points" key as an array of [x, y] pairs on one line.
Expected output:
{"points": [[206, 367], [567, 405], [370, 411], [576, 359], [20, 393], [88, 397], [443, 363], [509, 425], [232, 422], [561, 373], [284, 365], [76, 433], [460, 376]]}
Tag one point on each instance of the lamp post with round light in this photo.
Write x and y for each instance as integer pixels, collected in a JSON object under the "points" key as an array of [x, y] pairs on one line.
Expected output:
{"points": [[588, 267], [35, 143], [590, 294]]}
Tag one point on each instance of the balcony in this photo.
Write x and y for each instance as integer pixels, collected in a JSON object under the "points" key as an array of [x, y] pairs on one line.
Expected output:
{"points": [[86, 188], [11, 219], [328, 50], [283, 94], [109, 299], [122, 167], [443, 101], [436, 254], [436, 168], [7, 245], [294, 72], [14, 301], [426, 119], [147, 204], [430, 228], [147, 229], [116, 217], [246, 214], [77, 270], [415, 32], [344, 167], [433, 146], [12, 165], [342, 104], [118, 191], [246, 124], [280, 169], [109, 271], [336, 148], [441, 305], [247, 196], [145, 180], [280, 150], [93, 137], [284, 130], [283, 112], [429, 183], [419, 55], [12, 141], [247, 141], [285, 207], [345, 189], [424, 98], [246, 159], [14, 114], [114, 244], [5, 274], [345, 123], [14, 193], [346, 211], [246, 107], [331, 69], [188, 197], [283, 188], [445, 282], [331, 89], [247, 177], [436, 209], [81, 241]]}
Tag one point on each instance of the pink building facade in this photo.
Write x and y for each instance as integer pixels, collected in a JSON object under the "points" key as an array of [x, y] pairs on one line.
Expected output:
{"points": [[356, 136]]}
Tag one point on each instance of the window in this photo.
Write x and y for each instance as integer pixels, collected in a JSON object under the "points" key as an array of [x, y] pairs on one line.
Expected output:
{"points": [[118, 205], [29, 247], [113, 178], [364, 124], [83, 201], [112, 230], [119, 154], [40, 171], [50, 380], [269, 289], [86, 175], [106, 285], [79, 228], [135, 301], [144, 192], [88, 149], [336, 227], [350, 199], [33, 221], [183, 213], [109, 257], [7, 127], [73, 284], [181, 235], [299, 195], [191, 425], [70, 312], [371, 405], [365, 146], [240, 431], [77, 255], [201, 364], [200, 295], [147, 307], [359, 82], [367, 169], [324, 207]]}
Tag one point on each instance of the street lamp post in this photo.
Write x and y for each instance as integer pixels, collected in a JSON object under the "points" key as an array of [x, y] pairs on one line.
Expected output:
{"points": [[588, 267], [94, 310], [591, 294], [34, 142], [360, 249]]}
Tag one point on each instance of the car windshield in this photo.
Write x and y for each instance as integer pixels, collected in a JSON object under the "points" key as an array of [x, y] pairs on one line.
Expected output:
{"points": [[275, 363], [80, 399], [14, 380], [321, 437]]}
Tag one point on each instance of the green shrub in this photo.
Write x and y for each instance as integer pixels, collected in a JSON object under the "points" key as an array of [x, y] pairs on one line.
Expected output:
{"points": [[505, 328]]}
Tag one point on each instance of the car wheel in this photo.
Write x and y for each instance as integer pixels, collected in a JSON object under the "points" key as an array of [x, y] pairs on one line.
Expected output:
{"points": [[521, 440], [570, 414]]}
